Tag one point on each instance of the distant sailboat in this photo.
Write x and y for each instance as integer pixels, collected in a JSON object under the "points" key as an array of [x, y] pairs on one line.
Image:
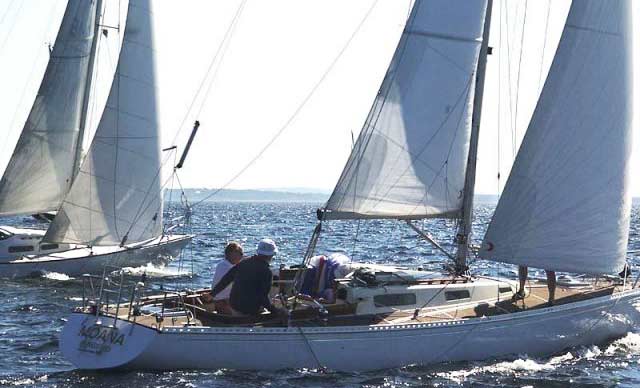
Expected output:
{"points": [[109, 201], [565, 207]]}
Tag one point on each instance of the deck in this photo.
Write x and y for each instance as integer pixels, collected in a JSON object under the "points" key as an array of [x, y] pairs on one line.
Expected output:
{"points": [[537, 297], [343, 315]]}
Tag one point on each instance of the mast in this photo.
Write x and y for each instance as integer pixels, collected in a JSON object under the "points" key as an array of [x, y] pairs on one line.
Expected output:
{"points": [[87, 94], [465, 228]]}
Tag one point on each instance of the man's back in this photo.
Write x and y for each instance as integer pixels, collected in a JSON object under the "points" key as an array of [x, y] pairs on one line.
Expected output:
{"points": [[251, 285]]}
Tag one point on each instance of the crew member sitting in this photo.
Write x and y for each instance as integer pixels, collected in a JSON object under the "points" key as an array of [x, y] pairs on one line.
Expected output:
{"points": [[232, 255], [251, 279]]}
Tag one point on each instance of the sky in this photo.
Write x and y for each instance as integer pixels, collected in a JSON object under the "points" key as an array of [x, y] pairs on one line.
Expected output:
{"points": [[295, 78]]}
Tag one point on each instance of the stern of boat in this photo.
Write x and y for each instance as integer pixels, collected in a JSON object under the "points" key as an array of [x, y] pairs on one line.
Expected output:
{"points": [[94, 343]]}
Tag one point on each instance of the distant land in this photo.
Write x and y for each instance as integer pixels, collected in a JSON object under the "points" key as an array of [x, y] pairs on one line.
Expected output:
{"points": [[291, 194], [257, 195]]}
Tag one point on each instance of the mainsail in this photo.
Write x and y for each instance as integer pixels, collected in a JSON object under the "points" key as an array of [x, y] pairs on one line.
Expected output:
{"points": [[116, 197], [566, 205], [410, 159], [42, 165]]}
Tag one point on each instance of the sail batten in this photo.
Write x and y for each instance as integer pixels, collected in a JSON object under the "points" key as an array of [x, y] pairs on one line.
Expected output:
{"points": [[410, 158], [116, 197], [41, 168], [566, 205]]}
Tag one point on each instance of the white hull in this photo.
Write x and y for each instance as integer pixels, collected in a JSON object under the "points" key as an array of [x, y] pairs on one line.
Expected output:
{"points": [[82, 260], [535, 332]]}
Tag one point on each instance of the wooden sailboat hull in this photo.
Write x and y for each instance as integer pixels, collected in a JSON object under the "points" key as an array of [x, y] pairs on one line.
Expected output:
{"points": [[536, 332], [83, 260]]}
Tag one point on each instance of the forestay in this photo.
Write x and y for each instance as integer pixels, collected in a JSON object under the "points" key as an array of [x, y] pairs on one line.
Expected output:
{"points": [[410, 158], [566, 205], [116, 197], [41, 168]]}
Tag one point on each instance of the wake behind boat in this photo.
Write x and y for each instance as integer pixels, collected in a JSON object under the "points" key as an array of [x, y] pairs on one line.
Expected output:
{"points": [[565, 207], [108, 197]]}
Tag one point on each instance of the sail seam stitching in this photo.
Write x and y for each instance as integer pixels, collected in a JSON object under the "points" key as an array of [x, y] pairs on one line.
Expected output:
{"points": [[437, 35], [580, 28]]}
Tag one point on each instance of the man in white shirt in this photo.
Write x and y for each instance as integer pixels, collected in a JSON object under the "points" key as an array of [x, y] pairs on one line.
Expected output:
{"points": [[233, 253]]}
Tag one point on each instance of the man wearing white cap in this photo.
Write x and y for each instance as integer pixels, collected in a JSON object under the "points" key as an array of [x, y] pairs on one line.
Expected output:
{"points": [[251, 279]]}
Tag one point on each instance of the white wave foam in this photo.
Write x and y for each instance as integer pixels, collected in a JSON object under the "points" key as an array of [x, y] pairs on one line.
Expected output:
{"points": [[57, 276], [589, 353], [27, 381], [18, 382], [156, 271], [521, 365], [629, 345]]}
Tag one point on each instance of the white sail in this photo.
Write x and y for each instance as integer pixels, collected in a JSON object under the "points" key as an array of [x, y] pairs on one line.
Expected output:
{"points": [[411, 155], [566, 205], [116, 197], [41, 168]]}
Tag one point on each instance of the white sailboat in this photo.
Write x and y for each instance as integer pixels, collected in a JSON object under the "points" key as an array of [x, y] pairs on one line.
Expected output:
{"points": [[565, 207], [109, 201]]}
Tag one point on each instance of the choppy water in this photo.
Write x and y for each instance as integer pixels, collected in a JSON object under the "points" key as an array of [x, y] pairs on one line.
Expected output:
{"points": [[32, 311]]}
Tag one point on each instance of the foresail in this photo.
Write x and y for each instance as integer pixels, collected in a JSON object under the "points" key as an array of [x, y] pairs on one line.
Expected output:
{"points": [[116, 197], [41, 168], [410, 158], [566, 205]]}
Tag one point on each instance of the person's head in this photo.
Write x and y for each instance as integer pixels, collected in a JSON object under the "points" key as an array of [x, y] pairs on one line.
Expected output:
{"points": [[266, 248], [233, 252]]}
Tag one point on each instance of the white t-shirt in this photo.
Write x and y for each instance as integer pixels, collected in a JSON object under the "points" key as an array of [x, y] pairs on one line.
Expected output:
{"points": [[221, 269]]}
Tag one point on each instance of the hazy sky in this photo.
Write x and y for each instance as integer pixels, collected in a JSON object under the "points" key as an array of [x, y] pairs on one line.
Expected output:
{"points": [[307, 68]]}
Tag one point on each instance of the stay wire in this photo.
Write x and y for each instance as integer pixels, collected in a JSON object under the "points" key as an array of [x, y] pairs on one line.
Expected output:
{"points": [[13, 23], [544, 45], [355, 239], [367, 130], [211, 73], [9, 6], [189, 229], [173, 175], [220, 50], [296, 112], [23, 94], [524, 25], [510, 83]]}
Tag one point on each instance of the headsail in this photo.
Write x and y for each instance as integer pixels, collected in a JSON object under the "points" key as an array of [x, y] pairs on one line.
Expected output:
{"points": [[411, 155], [41, 168], [116, 196], [566, 205]]}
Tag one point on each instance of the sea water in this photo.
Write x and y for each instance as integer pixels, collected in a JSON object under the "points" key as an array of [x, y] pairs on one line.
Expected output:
{"points": [[33, 311]]}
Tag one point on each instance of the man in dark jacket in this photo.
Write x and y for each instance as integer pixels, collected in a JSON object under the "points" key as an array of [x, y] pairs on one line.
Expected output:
{"points": [[251, 279]]}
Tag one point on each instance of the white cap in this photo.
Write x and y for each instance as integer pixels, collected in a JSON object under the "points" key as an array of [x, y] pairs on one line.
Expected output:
{"points": [[267, 247]]}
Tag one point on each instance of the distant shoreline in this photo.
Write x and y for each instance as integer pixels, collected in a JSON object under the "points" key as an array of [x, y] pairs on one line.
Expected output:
{"points": [[285, 195], [228, 195]]}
